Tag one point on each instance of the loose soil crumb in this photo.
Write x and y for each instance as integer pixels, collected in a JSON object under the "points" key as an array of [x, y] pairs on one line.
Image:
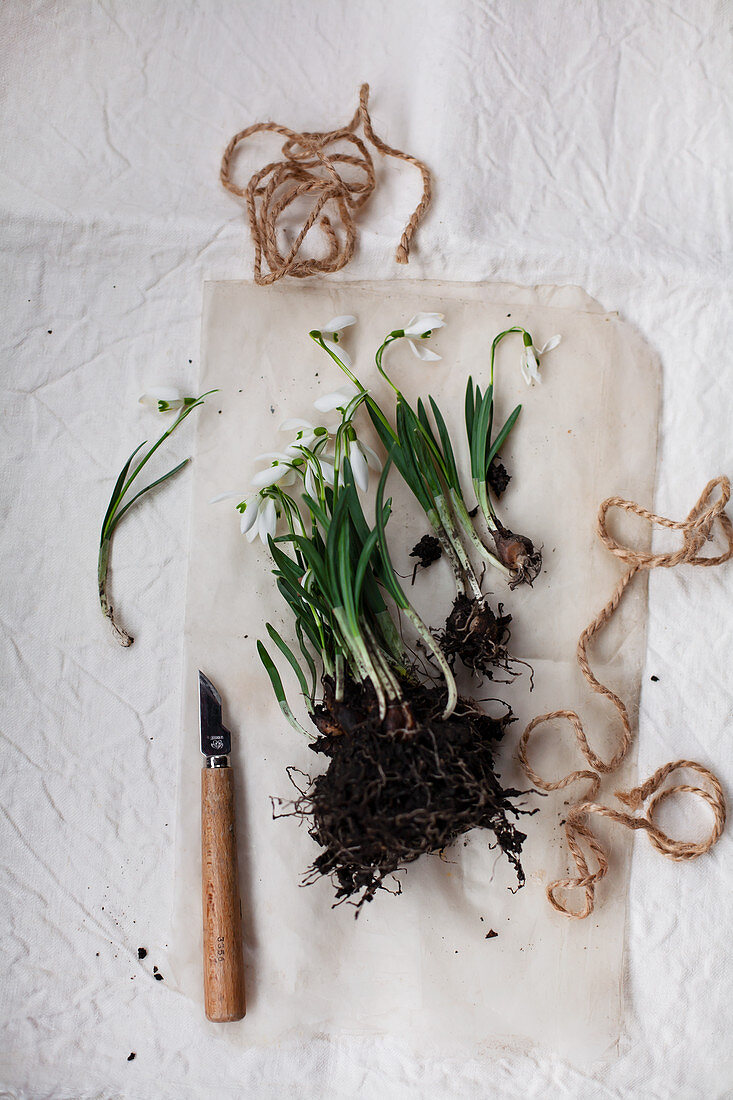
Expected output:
{"points": [[141, 952], [491, 934], [131, 1056]]}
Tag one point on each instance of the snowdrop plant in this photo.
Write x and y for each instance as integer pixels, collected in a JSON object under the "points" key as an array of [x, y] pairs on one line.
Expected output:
{"points": [[410, 765], [425, 457], [333, 569], [163, 400], [517, 552]]}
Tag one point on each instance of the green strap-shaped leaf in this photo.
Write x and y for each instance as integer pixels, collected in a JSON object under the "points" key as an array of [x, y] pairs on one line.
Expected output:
{"points": [[147, 489], [363, 563], [290, 658], [299, 630], [481, 434], [277, 687], [116, 492], [469, 409], [501, 437], [387, 573], [448, 455]]}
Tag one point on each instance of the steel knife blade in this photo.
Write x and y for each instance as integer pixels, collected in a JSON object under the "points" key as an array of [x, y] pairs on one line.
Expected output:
{"points": [[216, 739]]}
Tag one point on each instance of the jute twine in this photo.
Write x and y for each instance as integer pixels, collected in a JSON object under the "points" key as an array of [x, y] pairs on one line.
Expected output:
{"points": [[311, 167], [696, 529]]}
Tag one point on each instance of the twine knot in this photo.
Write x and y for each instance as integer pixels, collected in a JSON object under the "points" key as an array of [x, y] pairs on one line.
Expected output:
{"points": [[696, 528], [313, 168]]}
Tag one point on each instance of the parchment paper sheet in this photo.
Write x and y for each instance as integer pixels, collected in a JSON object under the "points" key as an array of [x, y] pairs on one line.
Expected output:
{"points": [[419, 966]]}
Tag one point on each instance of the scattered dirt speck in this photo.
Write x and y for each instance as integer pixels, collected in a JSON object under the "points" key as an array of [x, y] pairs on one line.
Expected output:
{"points": [[141, 952]]}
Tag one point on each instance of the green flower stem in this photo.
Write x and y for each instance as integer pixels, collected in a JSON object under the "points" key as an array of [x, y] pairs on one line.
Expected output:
{"points": [[462, 587], [340, 678], [316, 336], [487, 508], [497, 340], [397, 334], [362, 659], [459, 509], [427, 638], [390, 636], [446, 518], [393, 690]]}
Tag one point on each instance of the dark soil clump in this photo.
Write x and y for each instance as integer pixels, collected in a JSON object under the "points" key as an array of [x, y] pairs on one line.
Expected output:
{"points": [[394, 791], [427, 551], [498, 477], [477, 635]]}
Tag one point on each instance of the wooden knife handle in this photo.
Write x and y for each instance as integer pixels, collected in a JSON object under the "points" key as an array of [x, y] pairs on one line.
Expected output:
{"points": [[223, 962]]}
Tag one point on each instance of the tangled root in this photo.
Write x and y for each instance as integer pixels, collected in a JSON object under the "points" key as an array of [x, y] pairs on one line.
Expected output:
{"points": [[477, 635], [388, 797]]}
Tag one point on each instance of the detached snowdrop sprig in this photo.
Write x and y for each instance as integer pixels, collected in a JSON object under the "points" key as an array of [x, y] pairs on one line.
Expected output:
{"points": [[163, 400]]}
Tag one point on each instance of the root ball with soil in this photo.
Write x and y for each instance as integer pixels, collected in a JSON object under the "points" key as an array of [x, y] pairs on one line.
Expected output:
{"points": [[386, 797]]}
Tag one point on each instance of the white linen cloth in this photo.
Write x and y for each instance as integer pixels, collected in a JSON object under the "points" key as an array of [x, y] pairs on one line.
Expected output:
{"points": [[578, 142]]}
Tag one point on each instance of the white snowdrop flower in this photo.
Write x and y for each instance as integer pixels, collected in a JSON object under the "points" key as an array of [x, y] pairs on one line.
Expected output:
{"points": [[361, 458], [421, 326], [259, 518], [530, 363], [330, 334], [280, 470], [266, 520], [164, 399], [309, 482], [259, 514], [306, 435], [327, 471], [339, 399], [315, 472], [250, 515], [550, 344]]}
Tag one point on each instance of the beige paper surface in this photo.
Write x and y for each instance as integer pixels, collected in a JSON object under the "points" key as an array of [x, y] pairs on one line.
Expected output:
{"points": [[419, 966]]}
